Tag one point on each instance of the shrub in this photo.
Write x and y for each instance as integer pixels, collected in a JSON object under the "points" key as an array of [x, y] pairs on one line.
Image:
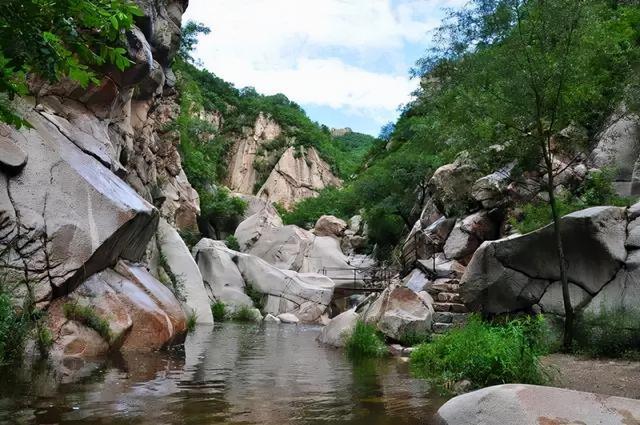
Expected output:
{"points": [[192, 320], [44, 339], [219, 311], [256, 296], [365, 342], [14, 328], [485, 354], [232, 243], [608, 333], [88, 317], [244, 314]]}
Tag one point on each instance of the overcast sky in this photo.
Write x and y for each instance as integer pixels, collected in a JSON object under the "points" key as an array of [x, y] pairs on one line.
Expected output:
{"points": [[345, 62]]}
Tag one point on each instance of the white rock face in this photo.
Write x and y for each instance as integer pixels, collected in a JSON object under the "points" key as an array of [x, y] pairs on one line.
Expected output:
{"points": [[297, 176], [339, 329], [254, 226], [271, 318], [185, 270], [227, 272], [242, 174], [533, 405]]}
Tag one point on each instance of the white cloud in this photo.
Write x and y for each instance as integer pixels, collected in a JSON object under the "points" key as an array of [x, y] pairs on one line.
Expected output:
{"points": [[346, 54]]}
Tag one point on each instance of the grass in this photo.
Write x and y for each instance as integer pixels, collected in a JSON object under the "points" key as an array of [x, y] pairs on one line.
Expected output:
{"points": [[244, 314], [219, 311], [192, 320], [88, 317], [485, 354], [608, 333], [14, 328], [256, 296], [365, 342], [232, 243], [411, 338]]}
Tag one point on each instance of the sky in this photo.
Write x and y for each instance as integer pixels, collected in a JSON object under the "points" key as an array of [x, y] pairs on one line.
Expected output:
{"points": [[346, 62]]}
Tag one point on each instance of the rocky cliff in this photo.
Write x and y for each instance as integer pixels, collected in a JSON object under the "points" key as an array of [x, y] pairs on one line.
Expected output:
{"points": [[82, 193]]}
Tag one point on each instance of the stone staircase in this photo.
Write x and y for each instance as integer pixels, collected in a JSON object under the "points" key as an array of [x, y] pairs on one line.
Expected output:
{"points": [[449, 309]]}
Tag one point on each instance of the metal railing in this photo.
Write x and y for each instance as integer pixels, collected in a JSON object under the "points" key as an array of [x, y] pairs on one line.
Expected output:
{"points": [[362, 279]]}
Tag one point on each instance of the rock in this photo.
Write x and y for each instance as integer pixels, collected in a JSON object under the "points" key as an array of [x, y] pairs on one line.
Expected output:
{"points": [[489, 190], [185, 271], [399, 310], [512, 273], [442, 267], [534, 405], [242, 174], [252, 228], [12, 158], [468, 234], [288, 318], [356, 224], [87, 226], [256, 315], [622, 294], [462, 387], [297, 176], [424, 243], [633, 235], [328, 225], [451, 185], [220, 274], [618, 146], [416, 280], [339, 329], [271, 318], [552, 301]]}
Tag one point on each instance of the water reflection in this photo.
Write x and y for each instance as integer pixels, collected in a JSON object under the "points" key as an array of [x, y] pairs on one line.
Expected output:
{"points": [[241, 374]]}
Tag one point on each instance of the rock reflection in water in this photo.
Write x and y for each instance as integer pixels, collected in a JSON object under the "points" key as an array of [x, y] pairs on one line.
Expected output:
{"points": [[230, 373]]}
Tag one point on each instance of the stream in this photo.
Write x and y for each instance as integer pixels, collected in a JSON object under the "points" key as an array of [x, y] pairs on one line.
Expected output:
{"points": [[228, 374]]}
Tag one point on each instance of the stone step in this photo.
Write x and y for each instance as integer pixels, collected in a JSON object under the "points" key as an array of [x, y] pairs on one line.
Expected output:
{"points": [[448, 317], [449, 297], [451, 307], [436, 288], [441, 327]]}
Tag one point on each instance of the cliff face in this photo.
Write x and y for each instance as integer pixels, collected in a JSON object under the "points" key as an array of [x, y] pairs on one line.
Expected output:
{"points": [[83, 190]]}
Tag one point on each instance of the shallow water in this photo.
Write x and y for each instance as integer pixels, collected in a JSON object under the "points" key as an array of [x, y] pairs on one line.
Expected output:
{"points": [[229, 374]]}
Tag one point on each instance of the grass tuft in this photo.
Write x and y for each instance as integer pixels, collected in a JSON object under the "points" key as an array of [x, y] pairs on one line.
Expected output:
{"points": [[365, 342], [244, 314], [14, 328], [88, 317], [192, 320], [219, 311]]}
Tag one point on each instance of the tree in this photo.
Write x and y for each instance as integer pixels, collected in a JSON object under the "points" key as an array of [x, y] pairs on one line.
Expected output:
{"points": [[59, 39], [386, 131], [190, 32], [517, 72]]}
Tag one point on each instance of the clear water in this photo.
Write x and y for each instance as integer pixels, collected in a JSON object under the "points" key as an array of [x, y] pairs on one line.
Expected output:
{"points": [[229, 374]]}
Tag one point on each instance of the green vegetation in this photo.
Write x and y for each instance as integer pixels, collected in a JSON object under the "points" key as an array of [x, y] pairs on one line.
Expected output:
{"points": [[353, 148], [219, 311], [365, 342], [192, 321], [88, 317], [609, 333], [412, 338], [59, 39], [14, 328], [232, 243], [244, 314], [44, 339], [597, 189], [485, 353], [256, 296]]}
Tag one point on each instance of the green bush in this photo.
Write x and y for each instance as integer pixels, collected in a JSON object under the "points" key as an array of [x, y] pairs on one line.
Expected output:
{"points": [[256, 296], [192, 321], [232, 243], [365, 342], [89, 318], [485, 354], [608, 333], [244, 314], [219, 311], [14, 328]]}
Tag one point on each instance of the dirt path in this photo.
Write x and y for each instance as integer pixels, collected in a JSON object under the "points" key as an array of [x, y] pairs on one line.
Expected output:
{"points": [[610, 377]]}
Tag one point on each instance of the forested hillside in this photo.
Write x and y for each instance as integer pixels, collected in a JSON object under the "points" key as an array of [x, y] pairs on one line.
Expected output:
{"points": [[496, 71]]}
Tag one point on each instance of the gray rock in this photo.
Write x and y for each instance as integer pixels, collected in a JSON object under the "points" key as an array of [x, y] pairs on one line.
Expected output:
{"points": [[416, 280], [271, 318], [621, 294], [339, 329], [451, 185], [534, 405], [552, 301], [288, 318], [12, 158], [328, 225]]}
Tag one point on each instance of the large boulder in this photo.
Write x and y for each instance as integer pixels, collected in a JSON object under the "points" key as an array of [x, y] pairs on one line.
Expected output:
{"points": [[451, 186], [339, 329], [513, 273], [328, 225], [229, 274], [468, 234], [618, 146], [185, 271], [536, 405], [251, 229], [398, 311], [68, 216], [489, 190]]}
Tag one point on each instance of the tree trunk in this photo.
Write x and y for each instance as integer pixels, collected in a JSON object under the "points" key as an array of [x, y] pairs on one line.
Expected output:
{"points": [[566, 297]]}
